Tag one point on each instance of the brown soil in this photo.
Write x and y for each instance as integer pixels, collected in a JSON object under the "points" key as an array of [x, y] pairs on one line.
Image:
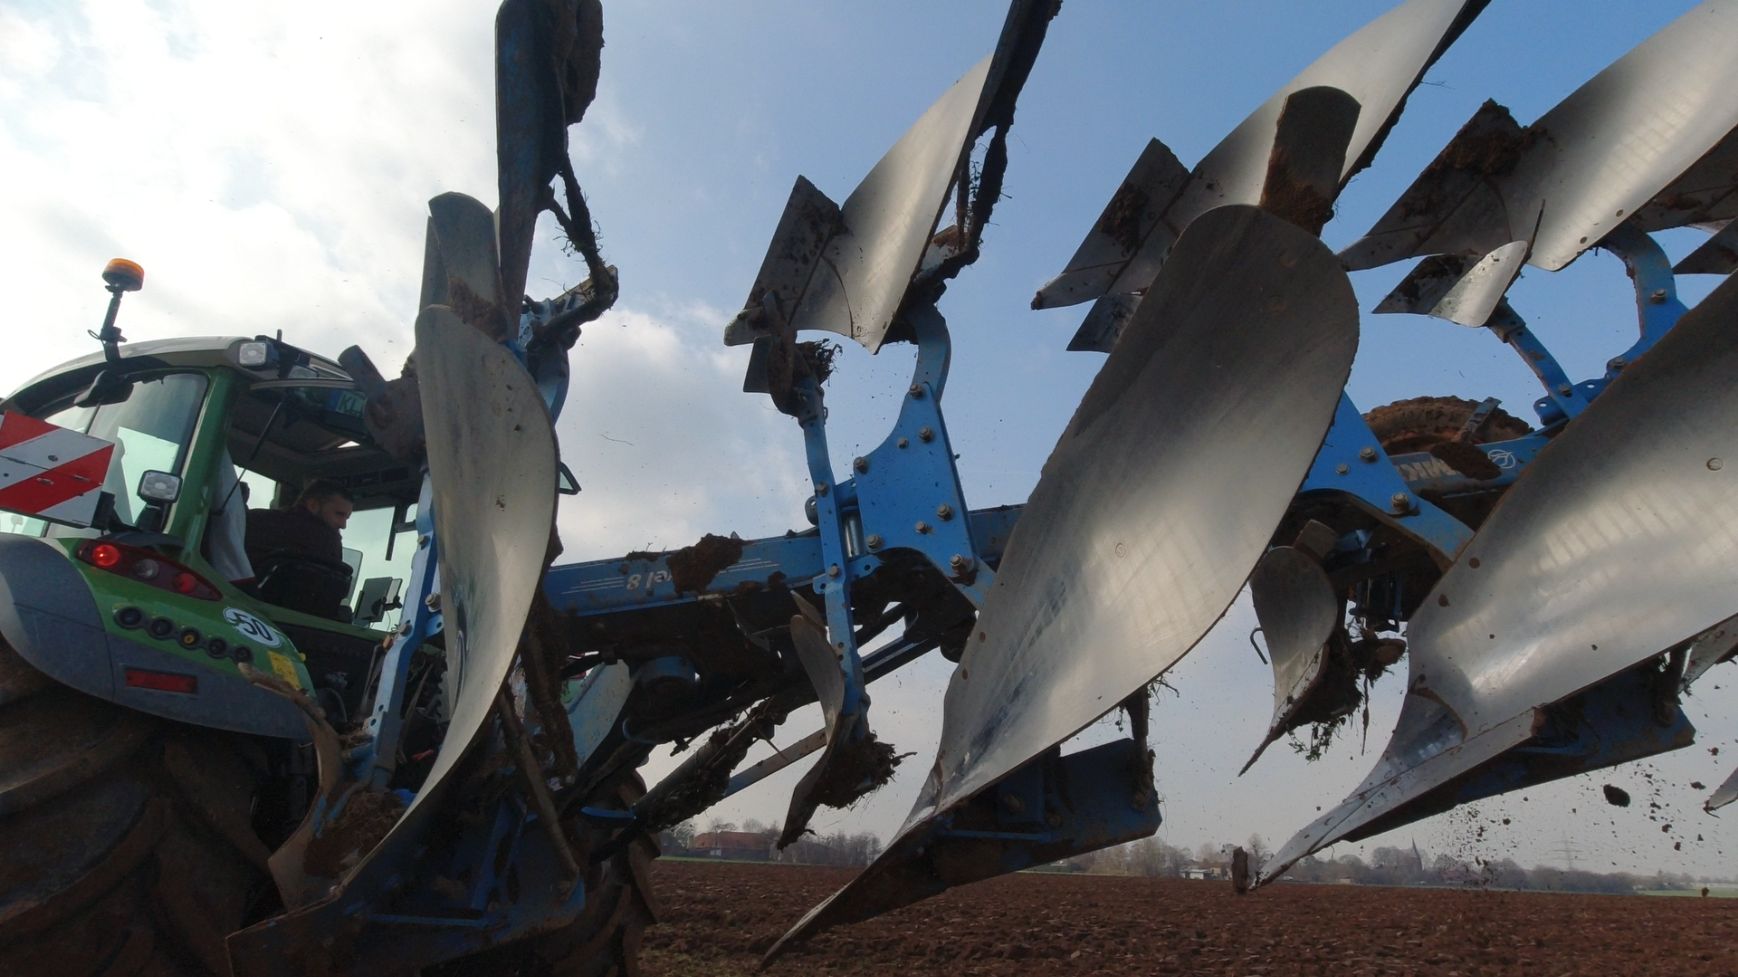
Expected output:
{"points": [[1121, 220], [863, 767], [1422, 423], [1432, 424], [718, 919], [476, 311], [365, 820], [1293, 199], [693, 567]]}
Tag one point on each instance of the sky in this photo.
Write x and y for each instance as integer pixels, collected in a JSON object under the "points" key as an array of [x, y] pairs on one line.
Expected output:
{"points": [[269, 165]]}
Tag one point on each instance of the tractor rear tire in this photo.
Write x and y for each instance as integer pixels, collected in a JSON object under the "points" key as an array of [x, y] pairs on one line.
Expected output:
{"points": [[129, 847], [605, 940]]}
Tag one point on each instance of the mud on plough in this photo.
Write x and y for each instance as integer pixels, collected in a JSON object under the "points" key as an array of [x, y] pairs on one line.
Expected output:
{"points": [[1551, 596]]}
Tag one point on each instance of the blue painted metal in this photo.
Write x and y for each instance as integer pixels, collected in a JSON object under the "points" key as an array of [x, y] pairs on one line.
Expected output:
{"points": [[643, 581], [669, 668], [594, 706], [1510, 638], [377, 757], [496, 880], [1563, 397], [877, 665], [1657, 305], [509, 827], [907, 490], [1658, 308], [910, 479], [834, 582], [1627, 717], [610, 816], [1425, 473], [904, 495], [509, 884], [841, 695], [513, 883], [1352, 464], [1051, 808]]}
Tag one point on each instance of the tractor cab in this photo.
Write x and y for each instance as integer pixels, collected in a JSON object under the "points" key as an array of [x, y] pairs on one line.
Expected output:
{"points": [[202, 436]]}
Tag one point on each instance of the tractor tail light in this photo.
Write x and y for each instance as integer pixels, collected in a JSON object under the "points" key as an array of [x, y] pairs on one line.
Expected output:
{"points": [[147, 566], [144, 678]]}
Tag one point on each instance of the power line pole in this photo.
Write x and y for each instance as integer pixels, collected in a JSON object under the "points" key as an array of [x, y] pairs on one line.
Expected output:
{"points": [[1569, 853]]}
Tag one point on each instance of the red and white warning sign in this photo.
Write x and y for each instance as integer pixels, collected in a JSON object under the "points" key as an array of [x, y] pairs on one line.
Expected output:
{"points": [[50, 472]]}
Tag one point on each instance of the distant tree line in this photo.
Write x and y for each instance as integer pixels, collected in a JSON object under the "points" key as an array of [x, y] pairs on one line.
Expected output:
{"points": [[1387, 865], [1154, 858], [838, 848]]}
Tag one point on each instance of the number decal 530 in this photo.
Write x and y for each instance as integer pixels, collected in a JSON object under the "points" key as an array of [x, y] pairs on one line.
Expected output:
{"points": [[252, 627]]}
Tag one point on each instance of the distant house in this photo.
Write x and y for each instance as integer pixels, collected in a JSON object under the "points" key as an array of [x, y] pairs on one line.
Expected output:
{"points": [[744, 846], [1205, 873]]}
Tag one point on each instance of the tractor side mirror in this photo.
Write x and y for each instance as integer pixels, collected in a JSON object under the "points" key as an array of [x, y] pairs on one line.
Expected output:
{"points": [[159, 490], [159, 487]]}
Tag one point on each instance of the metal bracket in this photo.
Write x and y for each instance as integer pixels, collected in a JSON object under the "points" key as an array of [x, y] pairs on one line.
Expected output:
{"points": [[907, 490], [1563, 398], [1657, 311], [1352, 463], [1657, 305], [375, 760]]}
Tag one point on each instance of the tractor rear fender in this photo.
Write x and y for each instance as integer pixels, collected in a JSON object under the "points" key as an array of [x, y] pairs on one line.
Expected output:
{"points": [[50, 617]]}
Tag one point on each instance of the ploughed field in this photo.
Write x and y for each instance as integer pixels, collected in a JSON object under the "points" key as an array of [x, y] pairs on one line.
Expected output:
{"points": [[718, 918]]}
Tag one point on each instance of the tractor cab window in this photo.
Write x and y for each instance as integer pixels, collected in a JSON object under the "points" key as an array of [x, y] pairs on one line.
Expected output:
{"points": [[375, 594], [287, 436], [150, 431]]}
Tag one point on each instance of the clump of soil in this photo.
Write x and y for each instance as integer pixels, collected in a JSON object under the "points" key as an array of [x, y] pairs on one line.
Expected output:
{"points": [[818, 359], [1616, 796], [479, 313], [1492, 142], [1292, 198], [1121, 220], [365, 820], [860, 768], [692, 568], [1466, 459]]}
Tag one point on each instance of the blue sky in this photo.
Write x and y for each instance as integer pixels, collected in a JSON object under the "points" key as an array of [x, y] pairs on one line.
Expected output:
{"points": [[269, 165]]}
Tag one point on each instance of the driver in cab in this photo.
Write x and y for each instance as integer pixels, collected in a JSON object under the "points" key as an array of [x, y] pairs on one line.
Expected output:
{"points": [[308, 530]]}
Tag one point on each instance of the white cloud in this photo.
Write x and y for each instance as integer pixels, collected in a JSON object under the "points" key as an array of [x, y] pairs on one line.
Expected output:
{"points": [[606, 135], [269, 169], [665, 444], [28, 47]]}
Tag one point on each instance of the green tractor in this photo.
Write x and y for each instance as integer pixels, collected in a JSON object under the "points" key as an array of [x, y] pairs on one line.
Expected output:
{"points": [[151, 663]]}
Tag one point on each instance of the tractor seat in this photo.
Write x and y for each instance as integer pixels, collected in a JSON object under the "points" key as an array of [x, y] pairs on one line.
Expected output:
{"points": [[303, 583]]}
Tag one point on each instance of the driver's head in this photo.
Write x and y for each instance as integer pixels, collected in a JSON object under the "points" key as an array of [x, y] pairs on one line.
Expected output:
{"points": [[329, 501]]}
